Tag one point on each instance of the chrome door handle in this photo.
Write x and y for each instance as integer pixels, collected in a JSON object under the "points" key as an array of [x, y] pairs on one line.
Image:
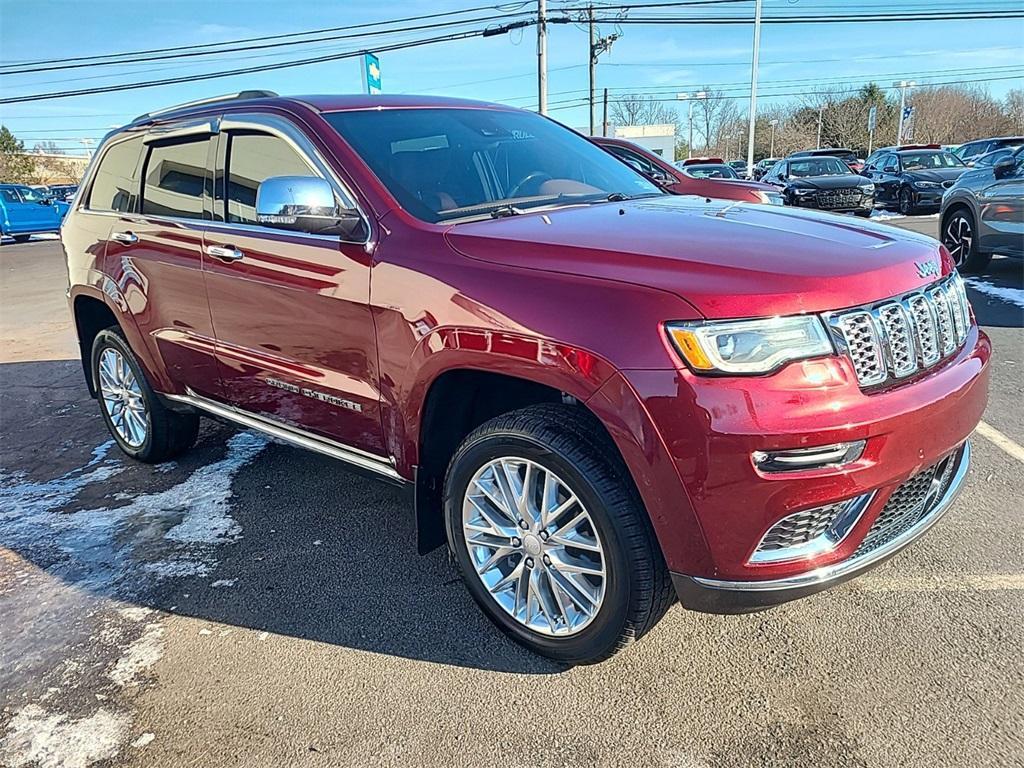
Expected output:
{"points": [[224, 252], [128, 238]]}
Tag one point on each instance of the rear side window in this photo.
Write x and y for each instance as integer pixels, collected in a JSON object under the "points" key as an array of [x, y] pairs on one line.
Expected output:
{"points": [[9, 196], [175, 179], [114, 182], [252, 159]]}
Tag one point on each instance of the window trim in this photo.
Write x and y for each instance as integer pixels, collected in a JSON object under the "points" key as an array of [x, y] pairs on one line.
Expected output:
{"points": [[297, 139], [169, 141]]}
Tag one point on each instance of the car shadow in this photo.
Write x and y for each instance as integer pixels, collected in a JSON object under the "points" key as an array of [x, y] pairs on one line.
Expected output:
{"points": [[997, 294], [239, 531]]}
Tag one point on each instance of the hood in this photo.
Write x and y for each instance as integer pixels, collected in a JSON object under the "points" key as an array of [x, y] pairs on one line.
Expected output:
{"points": [[829, 182], [745, 184], [726, 259], [936, 174]]}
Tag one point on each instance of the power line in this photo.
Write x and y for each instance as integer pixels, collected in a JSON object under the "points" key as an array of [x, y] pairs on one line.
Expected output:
{"points": [[260, 38], [192, 54]]}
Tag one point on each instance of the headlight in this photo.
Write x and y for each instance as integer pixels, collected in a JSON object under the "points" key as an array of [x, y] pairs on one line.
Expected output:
{"points": [[868, 189], [926, 184], [802, 192], [772, 198], [749, 346]]}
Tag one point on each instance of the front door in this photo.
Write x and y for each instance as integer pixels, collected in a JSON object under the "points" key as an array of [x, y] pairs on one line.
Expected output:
{"points": [[295, 337], [30, 211]]}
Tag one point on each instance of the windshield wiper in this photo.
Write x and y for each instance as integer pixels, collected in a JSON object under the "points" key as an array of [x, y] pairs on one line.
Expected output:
{"points": [[506, 210]]}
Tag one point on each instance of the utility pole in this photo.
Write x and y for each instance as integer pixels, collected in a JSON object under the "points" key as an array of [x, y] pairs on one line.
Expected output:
{"points": [[604, 121], [903, 85], [542, 57], [598, 45], [753, 83], [821, 114]]}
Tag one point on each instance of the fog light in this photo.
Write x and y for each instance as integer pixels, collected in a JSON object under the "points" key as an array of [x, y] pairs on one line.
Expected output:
{"points": [[810, 532], [795, 459]]}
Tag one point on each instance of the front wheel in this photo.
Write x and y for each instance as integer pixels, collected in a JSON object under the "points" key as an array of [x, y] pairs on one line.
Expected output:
{"points": [[958, 237], [141, 425], [22, 238], [863, 214], [551, 537], [907, 207]]}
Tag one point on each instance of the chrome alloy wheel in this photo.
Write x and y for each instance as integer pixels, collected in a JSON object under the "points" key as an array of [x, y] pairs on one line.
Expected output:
{"points": [[959, 237], [534, 546], [122, 398]]}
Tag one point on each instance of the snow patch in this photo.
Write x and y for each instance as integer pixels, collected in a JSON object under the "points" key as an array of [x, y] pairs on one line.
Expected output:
{"points": [[139, 656], [144, 740], [1009, 295], [55, 740], [224, 583]]}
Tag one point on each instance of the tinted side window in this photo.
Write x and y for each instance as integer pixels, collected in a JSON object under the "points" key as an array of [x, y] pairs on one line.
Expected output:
{"points": [[253, 158], [114, 182], [635, 160], [175, 178], [9, 196]]}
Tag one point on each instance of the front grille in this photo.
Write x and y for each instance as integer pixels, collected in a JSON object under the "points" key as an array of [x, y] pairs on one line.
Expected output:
{"points": [[910, 503], [838, 198], [898, 337]]}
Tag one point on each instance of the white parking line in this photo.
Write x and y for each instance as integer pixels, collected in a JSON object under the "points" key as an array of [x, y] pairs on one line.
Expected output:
{"points": [[1000, 440]]}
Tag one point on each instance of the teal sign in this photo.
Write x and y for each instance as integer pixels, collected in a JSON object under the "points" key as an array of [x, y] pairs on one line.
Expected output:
{"points": [[371, 73]]}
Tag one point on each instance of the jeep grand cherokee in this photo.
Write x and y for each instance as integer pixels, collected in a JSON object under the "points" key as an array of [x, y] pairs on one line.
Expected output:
{"points": [[603, 397]]}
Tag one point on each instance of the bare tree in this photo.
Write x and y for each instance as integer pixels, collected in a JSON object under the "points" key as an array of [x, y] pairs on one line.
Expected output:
{"points": [[636, 109], [48, 148], [1015, 109]]}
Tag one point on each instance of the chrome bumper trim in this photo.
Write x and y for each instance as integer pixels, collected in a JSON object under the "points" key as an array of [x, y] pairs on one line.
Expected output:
{"points": [[845, 569]]}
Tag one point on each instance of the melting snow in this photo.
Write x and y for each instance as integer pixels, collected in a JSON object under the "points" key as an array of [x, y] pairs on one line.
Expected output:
{"points": [[139, 656], [1010, 295], [55, 740]]}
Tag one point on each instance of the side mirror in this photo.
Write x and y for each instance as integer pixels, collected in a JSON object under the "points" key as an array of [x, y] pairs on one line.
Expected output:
{"points": [[305, 204], [1004, 168]]}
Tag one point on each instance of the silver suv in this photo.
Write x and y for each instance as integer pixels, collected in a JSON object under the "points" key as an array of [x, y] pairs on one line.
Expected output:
{"points": [[983, 214]]}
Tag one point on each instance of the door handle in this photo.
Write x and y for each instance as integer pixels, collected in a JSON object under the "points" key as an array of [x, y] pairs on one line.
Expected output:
{"points": [[128, 238], [224, 252]]}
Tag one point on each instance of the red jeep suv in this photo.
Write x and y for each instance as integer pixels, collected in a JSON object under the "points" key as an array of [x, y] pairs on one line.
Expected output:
{"points": [[601, 396]]}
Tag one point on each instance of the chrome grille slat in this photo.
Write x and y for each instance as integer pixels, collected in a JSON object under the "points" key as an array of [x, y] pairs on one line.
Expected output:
{"points": [[898, 337]]}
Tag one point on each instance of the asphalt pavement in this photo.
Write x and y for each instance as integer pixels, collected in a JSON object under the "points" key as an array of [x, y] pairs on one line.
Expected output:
{"points": [[255, 605]]}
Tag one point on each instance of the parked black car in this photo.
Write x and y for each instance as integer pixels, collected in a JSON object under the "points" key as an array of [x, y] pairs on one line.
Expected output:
{"points": [[983, 213], [740, 166], [914, 179], [972, 150], [825, 182], [761, 167], [848, 156]]}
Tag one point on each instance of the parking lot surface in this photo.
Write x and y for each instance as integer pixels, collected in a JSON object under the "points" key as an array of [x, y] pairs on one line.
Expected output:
{"points": [[255, 605]]}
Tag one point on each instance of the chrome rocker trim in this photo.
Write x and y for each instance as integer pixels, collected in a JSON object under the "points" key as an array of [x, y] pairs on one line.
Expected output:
{"points": [[367, 461], [722, 596]]}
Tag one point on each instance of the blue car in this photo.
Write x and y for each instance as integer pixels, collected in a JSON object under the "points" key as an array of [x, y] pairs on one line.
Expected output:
{"points": [[25, 212]]}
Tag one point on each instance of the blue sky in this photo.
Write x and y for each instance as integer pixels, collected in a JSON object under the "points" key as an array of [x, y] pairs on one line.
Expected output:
{"points": [[501, 68]]}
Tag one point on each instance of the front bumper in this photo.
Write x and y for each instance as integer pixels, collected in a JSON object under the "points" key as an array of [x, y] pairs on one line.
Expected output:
{"points": [[743, 596]]}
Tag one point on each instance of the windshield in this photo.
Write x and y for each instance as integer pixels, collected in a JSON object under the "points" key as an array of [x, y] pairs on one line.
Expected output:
{"points": [[818, 166], [919, 161], [444, 164], [710, 172]]}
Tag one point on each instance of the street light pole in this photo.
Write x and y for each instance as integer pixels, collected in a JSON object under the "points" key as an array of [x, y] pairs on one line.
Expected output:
{"points": [[542, 57], [753, 83], [771, 150], [689, 116], [821, 113], [593, 65]]}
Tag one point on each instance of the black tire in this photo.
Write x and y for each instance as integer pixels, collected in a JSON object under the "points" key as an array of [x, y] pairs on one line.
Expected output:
{"points": [[863, 214], [22, 238], [906, 202], [169, 433], [572, 444], [960, 239]]}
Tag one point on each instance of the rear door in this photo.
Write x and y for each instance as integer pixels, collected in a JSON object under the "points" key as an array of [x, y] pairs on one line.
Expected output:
{"points": [[155, 255], [1001, 204], [295, 337]]}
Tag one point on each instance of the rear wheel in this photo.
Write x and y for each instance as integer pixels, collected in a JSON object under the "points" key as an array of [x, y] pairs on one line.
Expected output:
{"points": [[959, 238], [141, 425], [551, 537], [22, 238]]}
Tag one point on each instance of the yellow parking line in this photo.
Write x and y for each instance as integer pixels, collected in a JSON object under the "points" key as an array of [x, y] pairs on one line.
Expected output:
{"points": [[1000, 440]]}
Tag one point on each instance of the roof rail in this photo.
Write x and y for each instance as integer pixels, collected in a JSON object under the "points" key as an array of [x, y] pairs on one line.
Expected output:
{"points": [[201, 102]]}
